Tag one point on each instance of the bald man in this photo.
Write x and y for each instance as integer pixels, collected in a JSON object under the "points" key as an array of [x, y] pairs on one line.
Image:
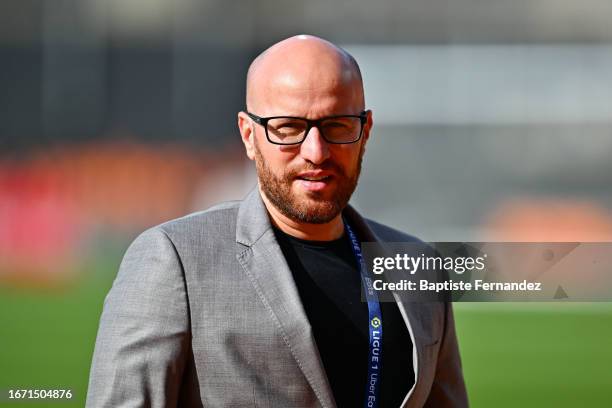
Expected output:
{"points": [[258, 303]]}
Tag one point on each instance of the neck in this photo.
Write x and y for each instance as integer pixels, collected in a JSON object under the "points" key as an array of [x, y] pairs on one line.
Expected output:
{"points": [[311, 232]]}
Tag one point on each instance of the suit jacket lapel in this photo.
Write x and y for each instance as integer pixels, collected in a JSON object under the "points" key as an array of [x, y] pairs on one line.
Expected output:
{"points": [[265, 265]]}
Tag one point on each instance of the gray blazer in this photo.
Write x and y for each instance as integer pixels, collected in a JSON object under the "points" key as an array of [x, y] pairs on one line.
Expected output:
{"points": [[204, 312]]}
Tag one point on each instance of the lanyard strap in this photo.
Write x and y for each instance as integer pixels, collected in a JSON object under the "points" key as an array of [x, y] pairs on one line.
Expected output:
{"points": [[374, 325]]}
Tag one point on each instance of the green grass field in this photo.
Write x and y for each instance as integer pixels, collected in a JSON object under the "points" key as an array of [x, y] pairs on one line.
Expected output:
{"points": [[537, 355], [514, 355]]}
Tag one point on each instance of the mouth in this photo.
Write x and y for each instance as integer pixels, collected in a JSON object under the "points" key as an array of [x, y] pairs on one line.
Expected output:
{"points": [[314, 181], [312, 178]]}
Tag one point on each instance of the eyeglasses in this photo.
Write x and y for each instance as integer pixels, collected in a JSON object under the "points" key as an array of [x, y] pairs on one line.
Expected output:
{"points": [[291, 130]]}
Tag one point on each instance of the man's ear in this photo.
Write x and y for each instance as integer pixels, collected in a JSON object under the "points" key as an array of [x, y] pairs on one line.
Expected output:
{"points": [[367, 127], [247, 134]]}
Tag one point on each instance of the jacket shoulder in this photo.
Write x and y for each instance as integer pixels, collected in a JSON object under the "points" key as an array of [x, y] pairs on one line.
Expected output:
{"points": [[218, 221]]}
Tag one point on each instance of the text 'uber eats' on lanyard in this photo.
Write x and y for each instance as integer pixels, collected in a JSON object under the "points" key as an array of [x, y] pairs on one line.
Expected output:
{"points": [[374, 325]]}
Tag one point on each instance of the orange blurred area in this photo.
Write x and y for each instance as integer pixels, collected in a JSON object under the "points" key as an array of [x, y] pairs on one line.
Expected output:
{"points": [[550, 220], [54, 201]]}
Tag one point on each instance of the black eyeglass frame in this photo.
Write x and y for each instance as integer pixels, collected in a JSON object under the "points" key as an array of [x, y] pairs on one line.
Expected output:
{"points": [[310, 123]]}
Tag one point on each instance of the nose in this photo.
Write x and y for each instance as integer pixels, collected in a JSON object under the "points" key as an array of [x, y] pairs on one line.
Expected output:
{"points": [[314, 148]]}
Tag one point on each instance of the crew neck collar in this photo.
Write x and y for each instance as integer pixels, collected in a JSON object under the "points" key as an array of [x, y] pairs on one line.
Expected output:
{"points": [[310, 243]]}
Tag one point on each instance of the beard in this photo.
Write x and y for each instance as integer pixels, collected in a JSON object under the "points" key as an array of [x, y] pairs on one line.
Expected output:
{"points": [[313, 208]]}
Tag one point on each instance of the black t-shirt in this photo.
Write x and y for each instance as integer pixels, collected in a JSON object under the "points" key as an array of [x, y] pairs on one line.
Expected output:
{"points": [[329, 285]]}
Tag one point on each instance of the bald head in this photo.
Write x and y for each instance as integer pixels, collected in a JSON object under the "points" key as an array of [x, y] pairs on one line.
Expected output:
{"points": [[304, 68]]}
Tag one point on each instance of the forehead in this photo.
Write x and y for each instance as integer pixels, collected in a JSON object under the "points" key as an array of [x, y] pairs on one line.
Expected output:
{"points": [[309, 97]]}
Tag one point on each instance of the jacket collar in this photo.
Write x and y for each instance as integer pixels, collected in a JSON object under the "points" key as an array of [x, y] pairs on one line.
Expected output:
{"points": [[253, 221]]}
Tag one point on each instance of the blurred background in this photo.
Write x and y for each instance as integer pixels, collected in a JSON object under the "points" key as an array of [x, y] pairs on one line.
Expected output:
{"points": [[493, 121]]}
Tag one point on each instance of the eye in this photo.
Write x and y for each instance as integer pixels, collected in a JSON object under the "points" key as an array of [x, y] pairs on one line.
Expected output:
{"points": [[290, 124], [340, 124], [280, 123], [336, 124], [282, 128], [286, 122]]}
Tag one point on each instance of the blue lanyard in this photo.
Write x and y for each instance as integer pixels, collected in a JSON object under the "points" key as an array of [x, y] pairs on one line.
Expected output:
{"points": [[374, 326]]}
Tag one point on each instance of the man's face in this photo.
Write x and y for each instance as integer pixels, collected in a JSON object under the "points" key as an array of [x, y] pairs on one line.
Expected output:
{"points": [[311, 182]]}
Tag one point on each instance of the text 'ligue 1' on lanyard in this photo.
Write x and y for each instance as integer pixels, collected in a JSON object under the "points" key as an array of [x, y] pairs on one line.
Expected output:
{"points": [[374, 325]]}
